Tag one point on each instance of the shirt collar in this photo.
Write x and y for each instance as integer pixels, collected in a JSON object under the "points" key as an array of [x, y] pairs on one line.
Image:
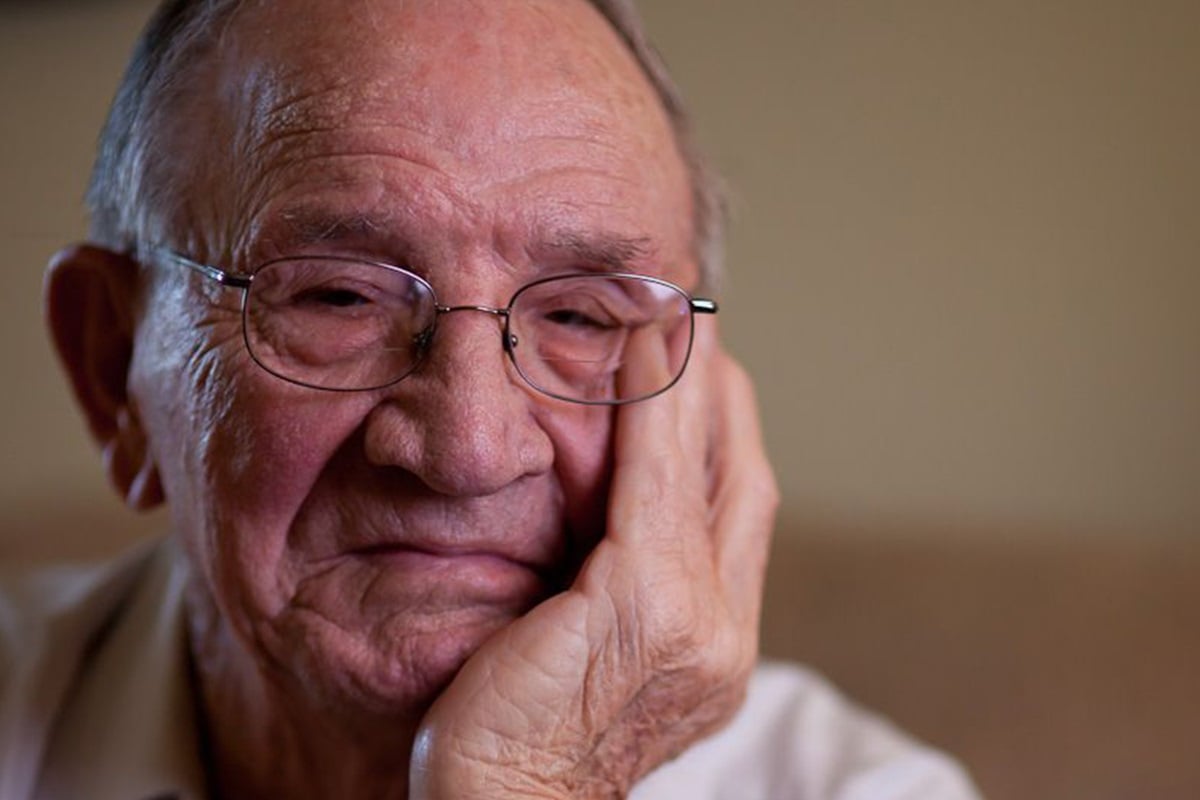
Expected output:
{"points": [[129, 728]]}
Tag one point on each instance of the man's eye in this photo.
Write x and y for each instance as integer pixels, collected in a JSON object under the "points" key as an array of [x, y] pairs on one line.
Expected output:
{"points": [[324, 297], [337, 298], [574, 318]]}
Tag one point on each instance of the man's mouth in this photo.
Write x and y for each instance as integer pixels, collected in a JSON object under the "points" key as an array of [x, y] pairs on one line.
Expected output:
{"points": [[437, 554], [482, 570]]}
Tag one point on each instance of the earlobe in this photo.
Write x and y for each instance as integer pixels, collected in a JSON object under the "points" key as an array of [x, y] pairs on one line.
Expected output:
{"points": [[91, 310], [129, 466]]}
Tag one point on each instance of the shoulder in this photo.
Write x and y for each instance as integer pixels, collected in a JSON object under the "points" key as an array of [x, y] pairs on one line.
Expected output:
{"points": [[797, 737], [49, 619], [43, 603]]}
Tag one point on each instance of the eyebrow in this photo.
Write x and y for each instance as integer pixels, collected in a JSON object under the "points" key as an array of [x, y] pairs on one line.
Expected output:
{"points": [[607, 251], [611, 251], [316, 226]]}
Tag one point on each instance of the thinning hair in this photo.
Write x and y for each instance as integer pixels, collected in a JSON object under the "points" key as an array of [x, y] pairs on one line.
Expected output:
{"points": [[131, 180]]}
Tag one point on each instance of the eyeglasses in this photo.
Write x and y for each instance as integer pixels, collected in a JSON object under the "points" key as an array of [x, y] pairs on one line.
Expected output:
{"points": [[345, 324]]}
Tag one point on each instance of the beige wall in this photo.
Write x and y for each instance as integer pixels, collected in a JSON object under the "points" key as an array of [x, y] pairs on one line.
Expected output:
{"points": [[964, 268]]}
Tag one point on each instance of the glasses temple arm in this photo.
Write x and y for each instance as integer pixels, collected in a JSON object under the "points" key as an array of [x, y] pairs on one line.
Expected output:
{"points": [[219, 275]]}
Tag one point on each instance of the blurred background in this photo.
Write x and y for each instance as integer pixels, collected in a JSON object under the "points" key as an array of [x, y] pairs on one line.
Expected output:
{"points": [[965, 271]]}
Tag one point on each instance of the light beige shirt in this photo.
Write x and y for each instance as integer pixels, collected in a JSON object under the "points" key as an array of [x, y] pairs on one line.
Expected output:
{"points": [[96, 702]]}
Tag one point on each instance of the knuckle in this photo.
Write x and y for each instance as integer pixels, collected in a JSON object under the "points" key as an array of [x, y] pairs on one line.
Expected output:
{"points": [[757, 487], [769, 494], [711, 647]]}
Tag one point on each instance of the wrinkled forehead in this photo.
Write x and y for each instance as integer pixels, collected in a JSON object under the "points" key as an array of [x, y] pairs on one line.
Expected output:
{"points": [[483, 91], [481, 50], [467, 73]]}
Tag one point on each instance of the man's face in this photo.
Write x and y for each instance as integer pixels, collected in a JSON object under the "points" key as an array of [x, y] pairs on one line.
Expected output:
{"points": [[364, 544]]}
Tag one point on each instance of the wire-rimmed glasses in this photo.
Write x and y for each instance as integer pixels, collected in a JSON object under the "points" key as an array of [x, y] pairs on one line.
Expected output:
{"points": [[347, 324]]}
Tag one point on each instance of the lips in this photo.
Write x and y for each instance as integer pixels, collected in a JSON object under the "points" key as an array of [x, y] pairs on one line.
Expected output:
{"points": [[447, 577], [417, 533], [449, 555]]}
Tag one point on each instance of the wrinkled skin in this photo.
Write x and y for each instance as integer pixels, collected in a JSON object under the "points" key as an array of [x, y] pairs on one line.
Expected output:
{"points": [[399, 571], [653, 644]]}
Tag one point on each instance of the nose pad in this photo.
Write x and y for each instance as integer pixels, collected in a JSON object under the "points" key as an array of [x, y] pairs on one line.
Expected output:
{"points": [[508, 341], [421, 343], [423, 340]]}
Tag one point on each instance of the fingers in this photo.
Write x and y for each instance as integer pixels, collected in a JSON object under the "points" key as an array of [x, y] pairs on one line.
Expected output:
{"points": [[692, 485], [743, 492], [669, 421], [660, 448]]}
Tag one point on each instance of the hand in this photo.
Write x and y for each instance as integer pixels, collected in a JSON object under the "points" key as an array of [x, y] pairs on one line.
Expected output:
{"points": [[652, 646]]}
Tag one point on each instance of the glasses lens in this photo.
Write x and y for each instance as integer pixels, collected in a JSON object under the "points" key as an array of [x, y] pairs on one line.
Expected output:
{"points": [[337, 323], [601, 338]]}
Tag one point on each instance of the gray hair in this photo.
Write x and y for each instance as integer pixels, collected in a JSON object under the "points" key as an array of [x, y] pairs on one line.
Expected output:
{"points": [[128, 178]]}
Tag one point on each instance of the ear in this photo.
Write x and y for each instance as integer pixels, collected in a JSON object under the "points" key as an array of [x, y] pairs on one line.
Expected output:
{"points": [[92, 299]]}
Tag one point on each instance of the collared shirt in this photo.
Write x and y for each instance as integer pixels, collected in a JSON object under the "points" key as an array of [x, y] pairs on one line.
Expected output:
{"points": [[96, 701]]}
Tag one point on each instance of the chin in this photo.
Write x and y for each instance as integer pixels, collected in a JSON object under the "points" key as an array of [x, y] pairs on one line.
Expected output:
{"points": [[392, 670]]}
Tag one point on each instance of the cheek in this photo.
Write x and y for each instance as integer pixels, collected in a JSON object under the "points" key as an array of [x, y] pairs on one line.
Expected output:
{"points": [[260, 464], [181, 398], [237, 449]]}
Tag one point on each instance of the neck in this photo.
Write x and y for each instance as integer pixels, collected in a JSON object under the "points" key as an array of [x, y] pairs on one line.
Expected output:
{"points": [[265, 736]]}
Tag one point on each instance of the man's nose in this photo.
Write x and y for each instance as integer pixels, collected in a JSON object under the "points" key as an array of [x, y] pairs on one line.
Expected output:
{"points": [[463, 422]]}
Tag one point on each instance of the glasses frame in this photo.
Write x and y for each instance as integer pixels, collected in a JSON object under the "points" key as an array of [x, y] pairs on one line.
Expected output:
{"points": [[244, 280]]}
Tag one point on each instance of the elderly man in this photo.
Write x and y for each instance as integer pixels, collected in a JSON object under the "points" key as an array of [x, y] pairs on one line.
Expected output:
{"points": [[391, 303]]}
